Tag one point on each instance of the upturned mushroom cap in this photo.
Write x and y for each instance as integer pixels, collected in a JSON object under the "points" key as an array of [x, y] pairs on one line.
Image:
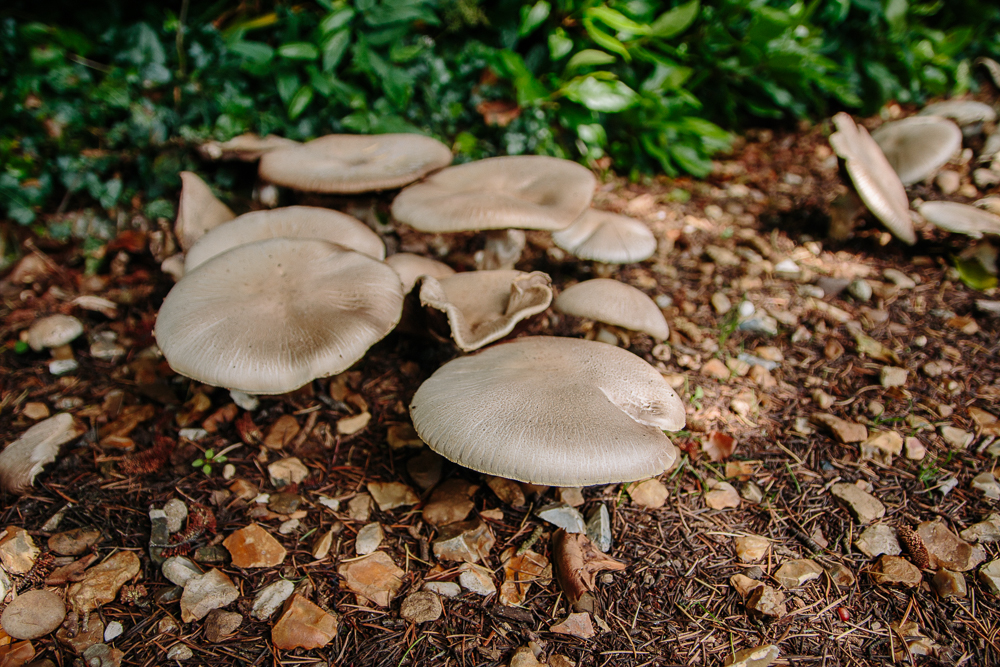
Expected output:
{"points": [[484, 306], [410, 267], [53, 331], [555, 411], [963, 112], [300, 222], [918, 146], [24, 458], [247, 147], [349, 163], [198, 211], [270, 316], [521, 192], [877, 183], [607, 237], [960, 218], [615, 303]]}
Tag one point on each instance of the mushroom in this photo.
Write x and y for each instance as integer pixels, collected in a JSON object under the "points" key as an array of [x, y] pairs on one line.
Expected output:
{"points": [[484, 306], [410, 267], [270, 316], [24, 458], [198, 211], [874, 179], [606, 237], [614, 303], [918, 146], [554, 411], [302, 222], [352, 163], [968, 114], [55, 332], [247, 147], [960, 218]]}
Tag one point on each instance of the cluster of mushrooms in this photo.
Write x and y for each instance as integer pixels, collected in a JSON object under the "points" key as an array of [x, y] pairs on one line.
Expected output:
{"points": [[913, 150], [270, 300]]}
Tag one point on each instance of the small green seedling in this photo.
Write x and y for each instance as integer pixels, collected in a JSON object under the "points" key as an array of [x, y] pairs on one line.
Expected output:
{"points": [[210, 458]]}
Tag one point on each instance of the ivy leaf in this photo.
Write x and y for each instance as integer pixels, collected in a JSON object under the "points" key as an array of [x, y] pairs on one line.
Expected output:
{"points": [[597, 95], [334, 49], [589, 57], [616, 20], [256, 52], [298, 51], [604, 39], [532, 17], [675, 21], [300, 101], [559, 45]]}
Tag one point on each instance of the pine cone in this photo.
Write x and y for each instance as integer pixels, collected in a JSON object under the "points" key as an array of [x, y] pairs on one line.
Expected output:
{"points": [[914, 546]]}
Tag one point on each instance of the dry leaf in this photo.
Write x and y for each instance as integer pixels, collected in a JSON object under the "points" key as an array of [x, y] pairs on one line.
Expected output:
{"points": [[577, 561], [25, 457], [719, 446]]}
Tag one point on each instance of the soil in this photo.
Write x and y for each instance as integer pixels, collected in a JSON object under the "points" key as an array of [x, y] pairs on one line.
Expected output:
{"points": [[770, 200]]}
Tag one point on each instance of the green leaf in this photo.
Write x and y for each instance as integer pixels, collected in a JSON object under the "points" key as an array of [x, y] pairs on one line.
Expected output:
{"points": [[334, 49], [300, 101], [197, 463], [973, 274], [605, 40], [616, 20], [336, 20], [207, 469], [599, 95], [209, 454], [255, 52], [691, 160], [559, 45], [895, 14], [288, 84], [532, 17], [529, 89], [675, 21], [587, 58], [298, 51], [20, 347]]}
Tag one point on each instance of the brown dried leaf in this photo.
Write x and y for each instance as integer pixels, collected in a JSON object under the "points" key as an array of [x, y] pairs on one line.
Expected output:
{"points": [[577, 561], [719, 446], [249, 433]]}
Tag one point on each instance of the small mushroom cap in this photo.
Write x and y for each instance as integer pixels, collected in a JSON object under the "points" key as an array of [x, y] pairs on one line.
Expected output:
{"points": [[877, 184], [607, 237], [349, 163], [270, 316], [247, 147], [24, 458], [300, 222], [918, 146], [198, 211], [521, 192], [615, 303], [53, 331], [484, 306], [410, 267], [555, 411], [960, 218], [963, 112]]}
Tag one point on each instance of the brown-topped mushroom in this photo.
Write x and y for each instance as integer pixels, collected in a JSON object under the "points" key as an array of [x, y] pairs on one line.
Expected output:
{"points": [[270, 316], [351, 163], [615, 303], [606, 237], [555, 411]]}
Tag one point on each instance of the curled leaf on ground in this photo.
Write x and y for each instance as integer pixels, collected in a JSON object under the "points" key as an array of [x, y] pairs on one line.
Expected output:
{"points": [[577, 561]]}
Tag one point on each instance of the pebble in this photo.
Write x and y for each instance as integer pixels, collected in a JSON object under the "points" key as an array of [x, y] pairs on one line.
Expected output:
{"points": [[450, 502], [845, 431], [721, 303], [751, 548], [288, 527], [100, 584], [321, 547], [860, 289], [743, 584], [18, 552], [948, 550], [74, 542], [303, 625], [220, 625], [956, 438], [765, 325], [755, 360], [840, 575], [35, 411], [989, 576], [180, 569], [984, 531], [876, 408], [369, 539], [476, 579], [900, 279], [212, 590], [507, 490], [390, 495], [767, 601], [446, 589], [421, 607], [353, 424], [244, 401], [179, 652], [895, 570], [374, 577], [751, 493], [722, 495], [228, 471], [563, 516], [253, 546], [63, 366], [882, 446], [715, 368], [468, 541], [987, 483], [282, 432], [759, 656], [933, 369], [33, 614], [650, 493], [284, 503], [576, 624], [599, 527], [113, 631], [98, 655], [359, 508], [893, 376], [272, 596], [865, 507], [948, 584], [287, 471], [571, 496], [877, 540], [914, 449], [795, 573], [822, 399], [948, 181]]}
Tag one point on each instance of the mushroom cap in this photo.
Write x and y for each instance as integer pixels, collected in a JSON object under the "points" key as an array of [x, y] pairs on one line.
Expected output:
{"points": [[270, 316], [410, 267], [246, 147], [299, 222], [198, 211], [615, 303], [484, 306], [607, 237], [349, 163], [963, 112], [24, 458], [521, 192], [53, 331], [546, 410], [918, 146], [960, 218], [877, 183]]}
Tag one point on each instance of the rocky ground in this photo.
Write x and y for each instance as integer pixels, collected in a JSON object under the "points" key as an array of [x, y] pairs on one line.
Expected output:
{"points": [[833, 498]]}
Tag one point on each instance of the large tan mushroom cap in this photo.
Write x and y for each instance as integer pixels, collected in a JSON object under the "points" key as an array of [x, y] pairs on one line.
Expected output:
{"points": [[918, 146], [349, 163], [270, 316], [960, 218], [556, 411], [410, 267], [607, 237], [198, 211], [299, 222], [615, 303], [247, 147], [877, 183], [520, 192], [484, 306]]}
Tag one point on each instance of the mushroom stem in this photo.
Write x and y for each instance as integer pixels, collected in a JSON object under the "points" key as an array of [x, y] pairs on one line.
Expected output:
{"points": [[502, 249], [62, 352]]}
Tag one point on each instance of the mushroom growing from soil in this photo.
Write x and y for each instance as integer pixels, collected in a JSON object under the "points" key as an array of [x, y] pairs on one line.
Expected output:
{"points": [[614, 303], [960, 218], [554, 411], [247, 147], [198, 211], [876, 182], [352, 163], [410, 267], [300, 222], [607, 237], [484, 306], [270, 316], [55, 332], [918, 146]]}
